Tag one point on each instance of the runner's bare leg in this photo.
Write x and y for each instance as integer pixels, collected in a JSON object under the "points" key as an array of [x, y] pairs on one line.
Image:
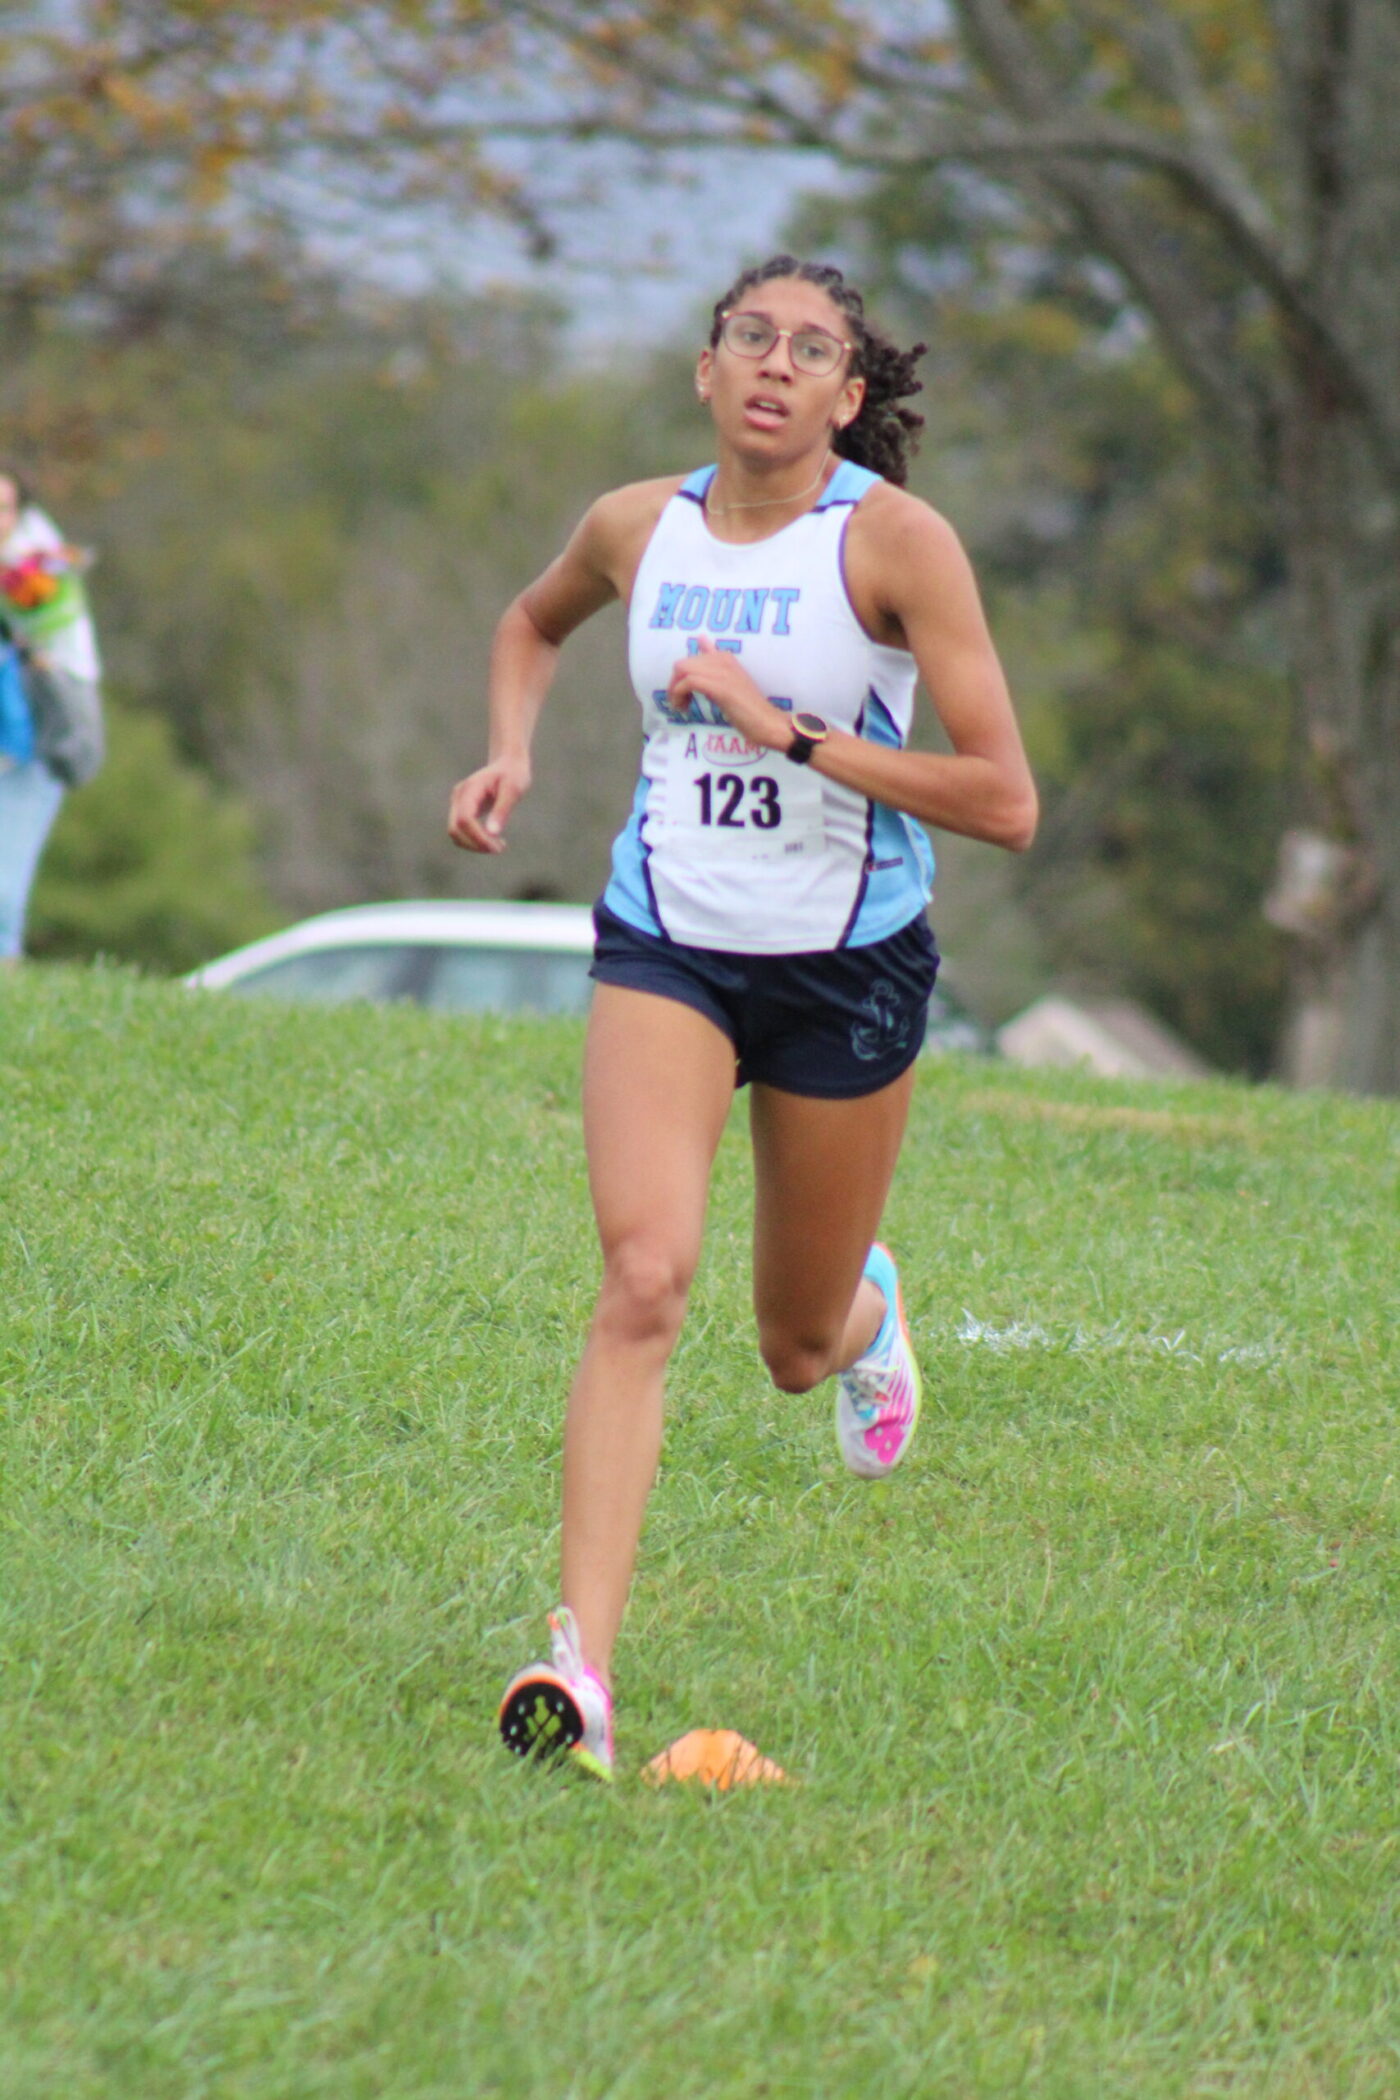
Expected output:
{"points": [[822, 1172], [658, 1082]]}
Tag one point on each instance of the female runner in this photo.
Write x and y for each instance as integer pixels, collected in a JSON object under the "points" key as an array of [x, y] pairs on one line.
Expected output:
{"points": [[765, 921]]}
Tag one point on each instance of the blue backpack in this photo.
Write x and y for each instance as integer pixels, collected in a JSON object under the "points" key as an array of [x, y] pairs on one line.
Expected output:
{"points": [[16, 721]]}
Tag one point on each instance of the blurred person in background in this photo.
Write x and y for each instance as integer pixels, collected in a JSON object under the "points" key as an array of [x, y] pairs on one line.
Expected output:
{"points": [[50, 693]]}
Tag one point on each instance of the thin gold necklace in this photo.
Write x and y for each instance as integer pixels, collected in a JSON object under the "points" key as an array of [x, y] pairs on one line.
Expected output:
{"points": [[722, 510]]}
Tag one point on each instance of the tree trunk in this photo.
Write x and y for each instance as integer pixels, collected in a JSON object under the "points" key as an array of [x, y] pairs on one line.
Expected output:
{"points": [[1343, 549], [1339, 507]]}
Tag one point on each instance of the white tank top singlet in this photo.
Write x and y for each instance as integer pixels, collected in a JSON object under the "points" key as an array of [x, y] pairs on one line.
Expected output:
{"points": [[730, 846]]}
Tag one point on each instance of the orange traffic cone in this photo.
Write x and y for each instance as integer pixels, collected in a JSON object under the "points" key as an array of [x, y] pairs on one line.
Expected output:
{"points": [[717, 1757]]}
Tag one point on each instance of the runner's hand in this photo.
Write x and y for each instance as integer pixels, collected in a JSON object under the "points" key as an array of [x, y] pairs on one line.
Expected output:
{"points": [[720, 677], [482, 805]]}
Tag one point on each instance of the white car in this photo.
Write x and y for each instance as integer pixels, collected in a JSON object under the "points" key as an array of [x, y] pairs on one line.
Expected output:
{"points": [[464, 958], [459, 957]]}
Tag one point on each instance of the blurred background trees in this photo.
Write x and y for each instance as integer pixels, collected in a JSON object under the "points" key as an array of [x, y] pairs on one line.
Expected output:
{"points": [[158, 866], [302, 551], [1151, 247]]}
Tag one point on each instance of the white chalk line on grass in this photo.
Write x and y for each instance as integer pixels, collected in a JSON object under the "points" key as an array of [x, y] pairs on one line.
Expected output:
{"points": [[1079, 1340]]}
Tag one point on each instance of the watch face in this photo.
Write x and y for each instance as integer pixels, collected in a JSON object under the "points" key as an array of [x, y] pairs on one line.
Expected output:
{"points": [[810, 725]]}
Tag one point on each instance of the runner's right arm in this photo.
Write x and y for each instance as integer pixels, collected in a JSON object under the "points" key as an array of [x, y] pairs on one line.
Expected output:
{"points": [[596, 566]]}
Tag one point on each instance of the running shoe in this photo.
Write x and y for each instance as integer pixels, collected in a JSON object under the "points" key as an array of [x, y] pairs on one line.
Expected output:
{"points": [[877, 1399], [560, 1708]]}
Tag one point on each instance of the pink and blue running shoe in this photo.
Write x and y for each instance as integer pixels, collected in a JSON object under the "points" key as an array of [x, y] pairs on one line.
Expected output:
{"points": [[878, 1398]]}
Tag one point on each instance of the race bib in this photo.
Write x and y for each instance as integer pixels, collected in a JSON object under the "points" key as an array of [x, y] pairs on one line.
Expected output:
{"points": [[713, 792]]}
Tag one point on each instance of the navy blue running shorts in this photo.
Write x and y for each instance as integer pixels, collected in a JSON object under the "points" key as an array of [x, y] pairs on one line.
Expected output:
{"points": [[834, 1023]]}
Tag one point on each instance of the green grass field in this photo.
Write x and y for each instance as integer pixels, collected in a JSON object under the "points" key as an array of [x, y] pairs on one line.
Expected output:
{"points": [[1095, 1707]]}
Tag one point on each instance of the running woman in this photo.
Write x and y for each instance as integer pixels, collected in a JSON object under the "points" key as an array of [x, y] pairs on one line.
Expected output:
{"points": [[765, 920]]}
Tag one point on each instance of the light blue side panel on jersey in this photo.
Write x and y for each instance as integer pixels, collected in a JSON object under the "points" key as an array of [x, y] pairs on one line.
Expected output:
{"points": [[900, 878], [628, 892]]}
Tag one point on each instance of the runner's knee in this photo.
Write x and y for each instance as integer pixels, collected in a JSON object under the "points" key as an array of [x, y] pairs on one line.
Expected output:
{"points": [[645, 1288], [796, 1361]]}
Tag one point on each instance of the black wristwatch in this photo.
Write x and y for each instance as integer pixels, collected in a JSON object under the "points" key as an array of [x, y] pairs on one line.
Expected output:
{"points": [[808, 731]]}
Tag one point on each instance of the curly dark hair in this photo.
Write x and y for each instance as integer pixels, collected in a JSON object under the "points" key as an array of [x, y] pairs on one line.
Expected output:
{"points": [[883, 436]]}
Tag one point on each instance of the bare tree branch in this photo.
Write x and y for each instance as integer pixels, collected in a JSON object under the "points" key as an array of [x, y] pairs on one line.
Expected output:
{"points": [[1166, 59], [1044, 127], [1311, 336]]}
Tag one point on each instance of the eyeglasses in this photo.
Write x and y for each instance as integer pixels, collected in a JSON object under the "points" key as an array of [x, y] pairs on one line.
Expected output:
{"points": [[812, 350]]}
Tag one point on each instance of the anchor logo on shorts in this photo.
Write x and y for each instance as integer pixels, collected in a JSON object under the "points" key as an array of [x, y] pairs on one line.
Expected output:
{"points": [[887, 1025]]}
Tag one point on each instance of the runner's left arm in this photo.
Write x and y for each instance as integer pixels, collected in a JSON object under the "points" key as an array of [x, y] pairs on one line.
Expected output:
{"points": [[912, 586]]}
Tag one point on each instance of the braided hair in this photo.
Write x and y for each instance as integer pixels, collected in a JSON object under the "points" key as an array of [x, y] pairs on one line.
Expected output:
{"points": [[884, 435]]}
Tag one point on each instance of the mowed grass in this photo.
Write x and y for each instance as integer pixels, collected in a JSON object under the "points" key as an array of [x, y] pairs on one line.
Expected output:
{"points": [[1094, 1708]]}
